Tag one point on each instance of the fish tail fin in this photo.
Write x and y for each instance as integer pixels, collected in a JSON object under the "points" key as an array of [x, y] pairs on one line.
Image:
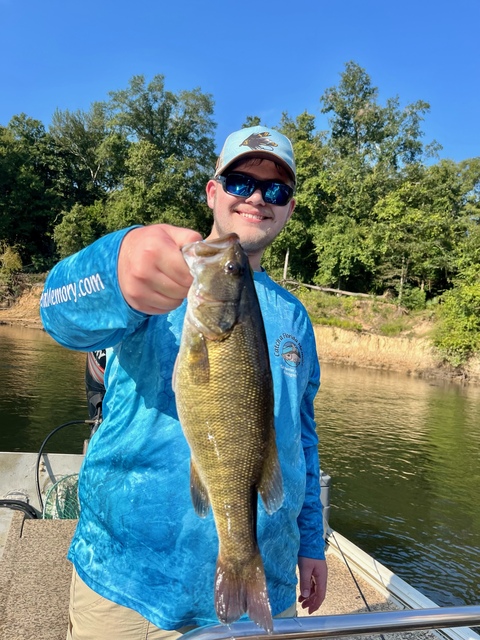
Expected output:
{"points": [[243, 589]]}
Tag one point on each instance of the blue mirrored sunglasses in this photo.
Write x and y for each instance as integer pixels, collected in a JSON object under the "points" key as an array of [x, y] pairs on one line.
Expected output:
{"points": [[241, 185]]}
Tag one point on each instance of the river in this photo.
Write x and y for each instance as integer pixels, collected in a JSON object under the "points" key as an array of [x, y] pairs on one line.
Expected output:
{"points": [[403, 454]]}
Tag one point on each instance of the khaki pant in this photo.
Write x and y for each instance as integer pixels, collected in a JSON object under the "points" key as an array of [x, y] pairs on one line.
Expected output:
{"points": [[92, 617]]}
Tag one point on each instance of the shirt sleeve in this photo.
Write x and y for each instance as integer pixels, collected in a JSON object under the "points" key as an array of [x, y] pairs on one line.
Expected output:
{"points": [[82, 306], [310, 519]]}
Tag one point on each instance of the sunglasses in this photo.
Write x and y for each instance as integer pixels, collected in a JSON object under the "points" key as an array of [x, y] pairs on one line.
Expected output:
{"points": [[241, 185]]}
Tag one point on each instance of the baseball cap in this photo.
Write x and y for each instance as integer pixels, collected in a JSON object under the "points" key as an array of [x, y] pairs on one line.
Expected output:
{"points": [[261, 142]]}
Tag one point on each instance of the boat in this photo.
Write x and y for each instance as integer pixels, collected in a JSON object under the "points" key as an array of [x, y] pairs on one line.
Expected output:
{"points": [[39, 493]]}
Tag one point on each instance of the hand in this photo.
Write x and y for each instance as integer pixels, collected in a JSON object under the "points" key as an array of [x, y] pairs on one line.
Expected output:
{"points": [[313, 582], [152, 274]]}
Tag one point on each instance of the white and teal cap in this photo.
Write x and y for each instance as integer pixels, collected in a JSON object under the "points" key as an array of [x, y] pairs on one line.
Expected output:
{"points": [[260, 142]]}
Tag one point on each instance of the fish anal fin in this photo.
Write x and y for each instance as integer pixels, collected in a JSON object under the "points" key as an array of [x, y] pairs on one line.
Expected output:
{"points": [[243, 589], [270, 486], [198, 492]]}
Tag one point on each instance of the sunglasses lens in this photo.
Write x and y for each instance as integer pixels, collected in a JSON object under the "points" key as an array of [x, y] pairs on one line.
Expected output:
{"points": [[241, 185], [277, 193]]}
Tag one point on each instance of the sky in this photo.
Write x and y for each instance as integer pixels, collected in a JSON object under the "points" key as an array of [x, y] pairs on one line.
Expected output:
{"points": [[255, 57]]}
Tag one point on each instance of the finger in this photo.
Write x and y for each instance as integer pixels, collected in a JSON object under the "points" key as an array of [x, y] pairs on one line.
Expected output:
{"points": [[152, 273], [172, 262]]}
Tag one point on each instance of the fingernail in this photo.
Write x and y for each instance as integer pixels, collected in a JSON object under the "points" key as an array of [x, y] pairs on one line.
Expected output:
{"points": [[305, 593]]}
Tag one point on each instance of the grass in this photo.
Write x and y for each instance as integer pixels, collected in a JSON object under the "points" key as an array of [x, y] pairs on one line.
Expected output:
{"points": [[372, 315]]}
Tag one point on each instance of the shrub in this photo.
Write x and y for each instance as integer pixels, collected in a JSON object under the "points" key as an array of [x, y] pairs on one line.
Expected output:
{"points": [[414, 299], [458, 333]]}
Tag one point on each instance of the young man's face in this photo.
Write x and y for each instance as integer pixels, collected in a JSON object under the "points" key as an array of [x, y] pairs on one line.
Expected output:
{"points": [[255, 221]]}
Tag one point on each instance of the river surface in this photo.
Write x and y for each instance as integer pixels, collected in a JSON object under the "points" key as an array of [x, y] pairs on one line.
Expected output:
{"points": [[403, 454]]}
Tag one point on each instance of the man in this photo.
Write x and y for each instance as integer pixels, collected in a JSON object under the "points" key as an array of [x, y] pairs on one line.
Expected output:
{"points": [[144, 563]]}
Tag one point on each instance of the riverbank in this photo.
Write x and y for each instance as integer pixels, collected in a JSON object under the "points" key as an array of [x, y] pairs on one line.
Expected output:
{"points": [[412, 354]]}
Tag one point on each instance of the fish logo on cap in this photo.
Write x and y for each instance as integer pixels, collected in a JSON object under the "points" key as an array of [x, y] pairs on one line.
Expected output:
{"points": [[257, 141]]}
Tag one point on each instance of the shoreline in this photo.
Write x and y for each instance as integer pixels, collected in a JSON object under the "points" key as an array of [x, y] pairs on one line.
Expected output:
{"points": [[413, 356]]}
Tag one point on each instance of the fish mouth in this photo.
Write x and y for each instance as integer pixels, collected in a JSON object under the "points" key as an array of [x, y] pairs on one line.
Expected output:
{"points": [[208, 248]]}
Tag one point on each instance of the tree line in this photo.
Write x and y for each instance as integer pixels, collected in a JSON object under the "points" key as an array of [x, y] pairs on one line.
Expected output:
{"points": [[377, 211]]}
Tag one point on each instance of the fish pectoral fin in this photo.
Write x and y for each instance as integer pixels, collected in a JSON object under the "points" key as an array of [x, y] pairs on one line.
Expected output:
{"points": [[270, 486], [198, 357], [198, 492], [242, 589]]}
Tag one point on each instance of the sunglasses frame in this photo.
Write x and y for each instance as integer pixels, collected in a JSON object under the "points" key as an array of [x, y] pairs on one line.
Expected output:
{"points": [[263, 185]]}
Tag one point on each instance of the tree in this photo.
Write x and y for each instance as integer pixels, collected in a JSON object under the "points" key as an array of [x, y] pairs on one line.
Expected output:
{"points": [[312, 197], [146, 155], [368, 152], [94, 152], [30, 196]]}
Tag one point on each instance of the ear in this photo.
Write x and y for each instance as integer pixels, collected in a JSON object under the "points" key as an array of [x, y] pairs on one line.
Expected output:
{"points": [[292, 204], [211, 190]]}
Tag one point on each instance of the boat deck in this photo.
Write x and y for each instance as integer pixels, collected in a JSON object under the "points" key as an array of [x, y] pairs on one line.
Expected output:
{"points": [[35, 581]]}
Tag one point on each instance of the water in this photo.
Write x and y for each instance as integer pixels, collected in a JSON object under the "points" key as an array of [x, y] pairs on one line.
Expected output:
{"points": [[41, 387], [403, 454]]}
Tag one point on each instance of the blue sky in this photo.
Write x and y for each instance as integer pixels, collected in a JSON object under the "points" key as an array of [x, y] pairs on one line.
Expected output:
{"points": [[256, 57]]}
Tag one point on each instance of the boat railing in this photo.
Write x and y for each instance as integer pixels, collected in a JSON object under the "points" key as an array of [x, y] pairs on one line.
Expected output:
{"points": [[352, 624]]}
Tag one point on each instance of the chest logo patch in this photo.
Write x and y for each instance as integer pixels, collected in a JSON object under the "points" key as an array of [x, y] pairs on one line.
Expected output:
{"points": [[290, 351]]}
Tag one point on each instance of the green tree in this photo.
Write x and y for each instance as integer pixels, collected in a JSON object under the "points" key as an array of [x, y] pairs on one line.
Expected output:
{"points": [[79, 227], [94, 152], [368, 151], [146, 155], [295, 242], [30, 197]]}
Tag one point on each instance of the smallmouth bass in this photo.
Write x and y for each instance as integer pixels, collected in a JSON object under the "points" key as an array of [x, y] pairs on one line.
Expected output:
{"points": [[224, 395]]}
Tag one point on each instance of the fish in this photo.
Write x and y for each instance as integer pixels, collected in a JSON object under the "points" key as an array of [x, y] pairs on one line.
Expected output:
{"points": [[225, 403]]}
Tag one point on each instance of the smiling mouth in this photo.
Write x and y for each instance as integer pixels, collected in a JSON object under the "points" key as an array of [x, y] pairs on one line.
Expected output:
{"points": [[252, 216]]}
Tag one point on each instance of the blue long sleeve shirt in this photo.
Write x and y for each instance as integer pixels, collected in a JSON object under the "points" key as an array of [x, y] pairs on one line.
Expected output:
{"points": [[138, 541]]}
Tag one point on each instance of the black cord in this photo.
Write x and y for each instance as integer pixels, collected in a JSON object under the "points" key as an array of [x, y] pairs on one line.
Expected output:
{"points": [[66, 424], [19, 505]]}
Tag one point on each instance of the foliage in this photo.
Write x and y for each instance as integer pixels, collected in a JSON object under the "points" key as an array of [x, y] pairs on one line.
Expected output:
{"points": [[10, 266], [79, 227], [10, 260], [458, 334], [376, 211]]}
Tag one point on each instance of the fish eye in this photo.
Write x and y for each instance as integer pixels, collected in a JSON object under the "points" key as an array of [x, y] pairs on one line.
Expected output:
{"points": [[232, 268]]}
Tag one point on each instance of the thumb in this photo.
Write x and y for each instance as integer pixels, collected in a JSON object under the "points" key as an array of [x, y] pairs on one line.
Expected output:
{"points": [[305, 570]]}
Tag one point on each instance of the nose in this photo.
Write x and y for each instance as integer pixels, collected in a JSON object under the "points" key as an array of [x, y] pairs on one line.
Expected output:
{"points": [[256, 198]]}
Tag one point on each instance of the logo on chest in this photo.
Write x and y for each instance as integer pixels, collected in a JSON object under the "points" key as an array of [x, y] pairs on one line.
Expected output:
{"points": [[290, 352]]}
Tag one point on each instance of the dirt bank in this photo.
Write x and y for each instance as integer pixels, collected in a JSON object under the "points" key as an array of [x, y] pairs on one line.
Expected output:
{"points": [[411, 355], [25, 311]]}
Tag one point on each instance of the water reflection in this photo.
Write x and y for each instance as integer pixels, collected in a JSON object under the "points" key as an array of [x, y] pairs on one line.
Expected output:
{"points": [[41, 387], [403, 454]]}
